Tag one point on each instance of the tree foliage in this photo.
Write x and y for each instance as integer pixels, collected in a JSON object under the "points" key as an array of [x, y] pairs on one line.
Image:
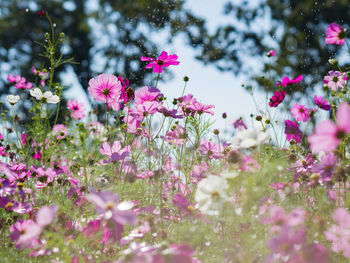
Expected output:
{"points": [[296, 29], [100, 34]]}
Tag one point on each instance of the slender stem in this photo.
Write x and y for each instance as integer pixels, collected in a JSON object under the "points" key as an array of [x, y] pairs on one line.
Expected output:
{"points": [[15, 127]]}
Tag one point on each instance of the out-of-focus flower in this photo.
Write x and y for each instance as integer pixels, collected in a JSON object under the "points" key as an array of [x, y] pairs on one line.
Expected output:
{"points": [[211, 194], [107, 204], [249, 164], [326, 166], [138, 232], [46, 97], [292, 131], [210, 149], [163, 61], [77, 109], [335, 80], [339, 234], [322, 103], [96, 129], [300, 112], [249, 138], [20, 82], [286, 81], [335, 34], [12, 99], [106, 88], [60, 131], [115, 153], [327, 134], [239, 124], [271, 53], [277, 98]]}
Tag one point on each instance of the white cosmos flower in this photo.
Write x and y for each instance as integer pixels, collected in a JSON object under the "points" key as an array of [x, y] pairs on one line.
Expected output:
{"points": [[47, 96], [211, 195], [12, 99], [249, 138]]}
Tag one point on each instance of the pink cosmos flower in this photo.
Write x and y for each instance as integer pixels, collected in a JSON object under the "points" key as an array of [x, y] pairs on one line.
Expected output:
{"points": [[182, 202], [1, 137], [106, 88], [107, 204], [322, 103], [148, 108], [60, 131], [328, 135], [277, 98], [163, 61], [210, 149], [339, 234], [147, 94], [249, 164], [115, 153], [238, 124], [326, 166], [20, 82], [271, 53], [300, 112], [42, 74], [77, 109], [138, 232], [335, 80], [335, 34], [286, 81], [200, 108], [292, 131]]}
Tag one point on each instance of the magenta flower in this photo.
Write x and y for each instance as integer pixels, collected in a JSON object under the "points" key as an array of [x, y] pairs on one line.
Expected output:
{"points": [[77, 109], [322, 103], [335, 34], [328, 135], [300, 112], [60, 131], [20, 82], [163, 61], [106, 88], [335, 80], [286, 81], [292, 131], [277, 98], [271, 53]]}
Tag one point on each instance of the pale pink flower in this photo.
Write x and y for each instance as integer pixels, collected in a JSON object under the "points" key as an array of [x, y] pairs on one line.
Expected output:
{"points": [[300, 112], [114, 152], [147, 94], [106, 88], [335, 80], [327, 134], [77, 109], [163, 61], [60, 131], [210, 149], [339, 234], [335, 34]]}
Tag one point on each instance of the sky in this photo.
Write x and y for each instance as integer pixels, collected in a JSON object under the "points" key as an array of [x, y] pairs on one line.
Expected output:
{"points": [[207, 84]]}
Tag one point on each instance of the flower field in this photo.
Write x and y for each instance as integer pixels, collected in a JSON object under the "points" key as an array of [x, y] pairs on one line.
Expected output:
{"points": [[143, 178]]}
